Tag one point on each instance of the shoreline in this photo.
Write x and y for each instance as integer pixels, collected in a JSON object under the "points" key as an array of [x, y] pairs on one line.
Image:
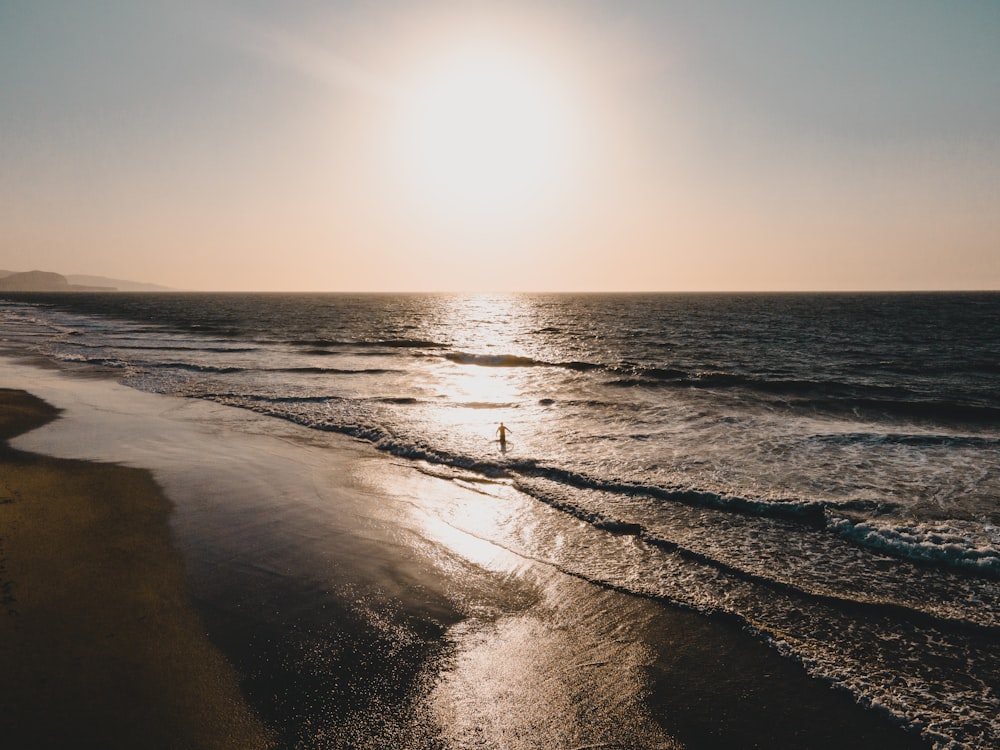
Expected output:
{"points": [[359, 612], [97, 627]]}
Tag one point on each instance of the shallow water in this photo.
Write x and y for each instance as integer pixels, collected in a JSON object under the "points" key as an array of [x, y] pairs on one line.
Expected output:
{"points": [[822, 469]]}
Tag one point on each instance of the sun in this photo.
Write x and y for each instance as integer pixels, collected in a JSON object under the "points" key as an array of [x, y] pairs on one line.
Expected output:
{"points": [[486, 133]]}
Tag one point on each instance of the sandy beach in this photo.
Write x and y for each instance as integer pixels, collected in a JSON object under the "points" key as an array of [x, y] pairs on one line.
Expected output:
{"points": [[182, 574], [100, 643]]}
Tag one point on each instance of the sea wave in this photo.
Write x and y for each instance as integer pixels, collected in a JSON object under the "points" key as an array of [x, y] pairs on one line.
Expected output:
{"points": [[652, 377], [952, 544], [119, 346], [918, 440], [882, 536], [321, 345], [258, 403], [493, 360], [828, 396], [189, 366], [333, 370], [942, 411], [516, 360], [304, 370], [874, 607]]}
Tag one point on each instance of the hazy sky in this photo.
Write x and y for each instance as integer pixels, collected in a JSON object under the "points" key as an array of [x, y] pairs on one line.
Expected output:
{"points": [[576, 145]]}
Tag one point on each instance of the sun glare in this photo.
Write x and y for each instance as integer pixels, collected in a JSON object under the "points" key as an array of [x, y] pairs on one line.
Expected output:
{"points": [[487, 134]]}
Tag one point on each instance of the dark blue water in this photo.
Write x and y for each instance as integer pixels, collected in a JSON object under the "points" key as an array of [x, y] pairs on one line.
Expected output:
{"points": [[822, 467]]}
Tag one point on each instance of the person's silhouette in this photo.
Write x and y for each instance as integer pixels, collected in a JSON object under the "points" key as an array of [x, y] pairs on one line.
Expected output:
{"points": [[502, 430]]}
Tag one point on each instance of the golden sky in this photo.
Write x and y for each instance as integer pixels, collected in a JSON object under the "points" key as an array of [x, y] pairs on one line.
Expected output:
{"points": [[587, 145]]}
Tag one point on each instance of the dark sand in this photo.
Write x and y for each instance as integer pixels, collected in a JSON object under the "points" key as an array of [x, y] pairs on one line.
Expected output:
{"points": [[99, 643]]}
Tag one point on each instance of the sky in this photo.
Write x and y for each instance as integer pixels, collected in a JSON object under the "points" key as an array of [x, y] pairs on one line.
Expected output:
{"points": [[574, 145]]}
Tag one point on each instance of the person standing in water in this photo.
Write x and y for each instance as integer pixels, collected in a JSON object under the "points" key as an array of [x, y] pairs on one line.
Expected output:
{"points": [[502, 432]]}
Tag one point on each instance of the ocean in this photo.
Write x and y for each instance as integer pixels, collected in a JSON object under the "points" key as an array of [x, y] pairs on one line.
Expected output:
{"points": [[822, 469]]}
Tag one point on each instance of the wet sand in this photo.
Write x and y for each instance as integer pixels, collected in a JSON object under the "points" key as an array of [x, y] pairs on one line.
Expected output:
{"points": [[367, 604], [99, 641]]}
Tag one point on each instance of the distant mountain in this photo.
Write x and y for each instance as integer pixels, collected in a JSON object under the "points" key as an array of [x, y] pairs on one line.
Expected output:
{"points": [[120, 284], [46, 281]]}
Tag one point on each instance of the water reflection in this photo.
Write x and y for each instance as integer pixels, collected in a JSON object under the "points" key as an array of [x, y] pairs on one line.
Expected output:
{"points": [[487, 375], [468, 526], [487, 322], [541, 659]]}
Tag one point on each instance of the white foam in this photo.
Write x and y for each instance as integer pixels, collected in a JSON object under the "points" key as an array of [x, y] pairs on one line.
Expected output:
{"points": [[963, 544]]}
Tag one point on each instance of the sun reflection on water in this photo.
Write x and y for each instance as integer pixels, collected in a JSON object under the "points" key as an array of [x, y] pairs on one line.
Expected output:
{"points": [[486, 374], [469, 539], [487, 323]]}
